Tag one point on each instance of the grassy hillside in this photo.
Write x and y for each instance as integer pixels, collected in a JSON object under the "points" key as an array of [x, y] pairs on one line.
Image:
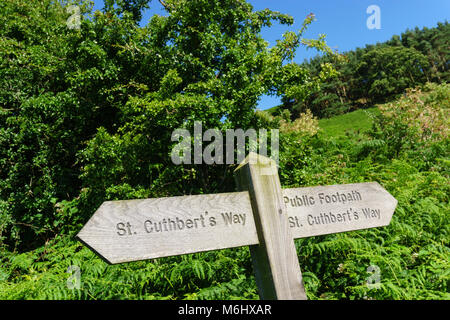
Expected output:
{"points": [[403, 145], [360, 120]]}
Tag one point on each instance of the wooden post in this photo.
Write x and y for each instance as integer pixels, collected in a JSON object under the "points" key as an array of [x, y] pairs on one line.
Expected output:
{"points": [[275, 261], [265, 218]]}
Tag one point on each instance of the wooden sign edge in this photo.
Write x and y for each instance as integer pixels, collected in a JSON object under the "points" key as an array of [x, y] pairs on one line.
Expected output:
{"points": [[114, 262]]}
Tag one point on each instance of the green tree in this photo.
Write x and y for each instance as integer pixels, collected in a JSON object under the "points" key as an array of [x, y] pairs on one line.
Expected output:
{"points": [[388, 70], [87, 114], [348, 90]]}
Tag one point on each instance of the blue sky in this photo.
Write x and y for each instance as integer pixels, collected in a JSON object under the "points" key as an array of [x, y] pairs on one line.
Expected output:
{"points": [[343, 22]]}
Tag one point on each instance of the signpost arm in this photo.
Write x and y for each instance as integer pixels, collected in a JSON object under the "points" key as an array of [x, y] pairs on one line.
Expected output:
{"points": [[275, 261]]}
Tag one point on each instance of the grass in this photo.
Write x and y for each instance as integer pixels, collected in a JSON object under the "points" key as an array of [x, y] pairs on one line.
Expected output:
{"points": [[358, 121]]}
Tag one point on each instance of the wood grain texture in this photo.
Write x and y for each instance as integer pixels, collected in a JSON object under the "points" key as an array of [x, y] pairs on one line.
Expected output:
{"points": [[322, 210], [275, 260], [131, 230], [355, 206]]}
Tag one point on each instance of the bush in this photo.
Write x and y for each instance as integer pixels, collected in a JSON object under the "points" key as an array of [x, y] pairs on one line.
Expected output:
{"points": [[86, 114], [415, 123]]}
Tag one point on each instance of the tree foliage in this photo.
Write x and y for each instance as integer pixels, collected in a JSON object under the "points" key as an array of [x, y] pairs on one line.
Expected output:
{"points": [[376, 73], [86, 114]]}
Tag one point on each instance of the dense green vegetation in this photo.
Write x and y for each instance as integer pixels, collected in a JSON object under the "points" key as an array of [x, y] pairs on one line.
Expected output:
{"points": [[376, 73], [86, 116], [412, 253]]}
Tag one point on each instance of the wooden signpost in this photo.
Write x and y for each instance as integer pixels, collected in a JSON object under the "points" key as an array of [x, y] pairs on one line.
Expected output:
{"points": [[262, 216]]}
